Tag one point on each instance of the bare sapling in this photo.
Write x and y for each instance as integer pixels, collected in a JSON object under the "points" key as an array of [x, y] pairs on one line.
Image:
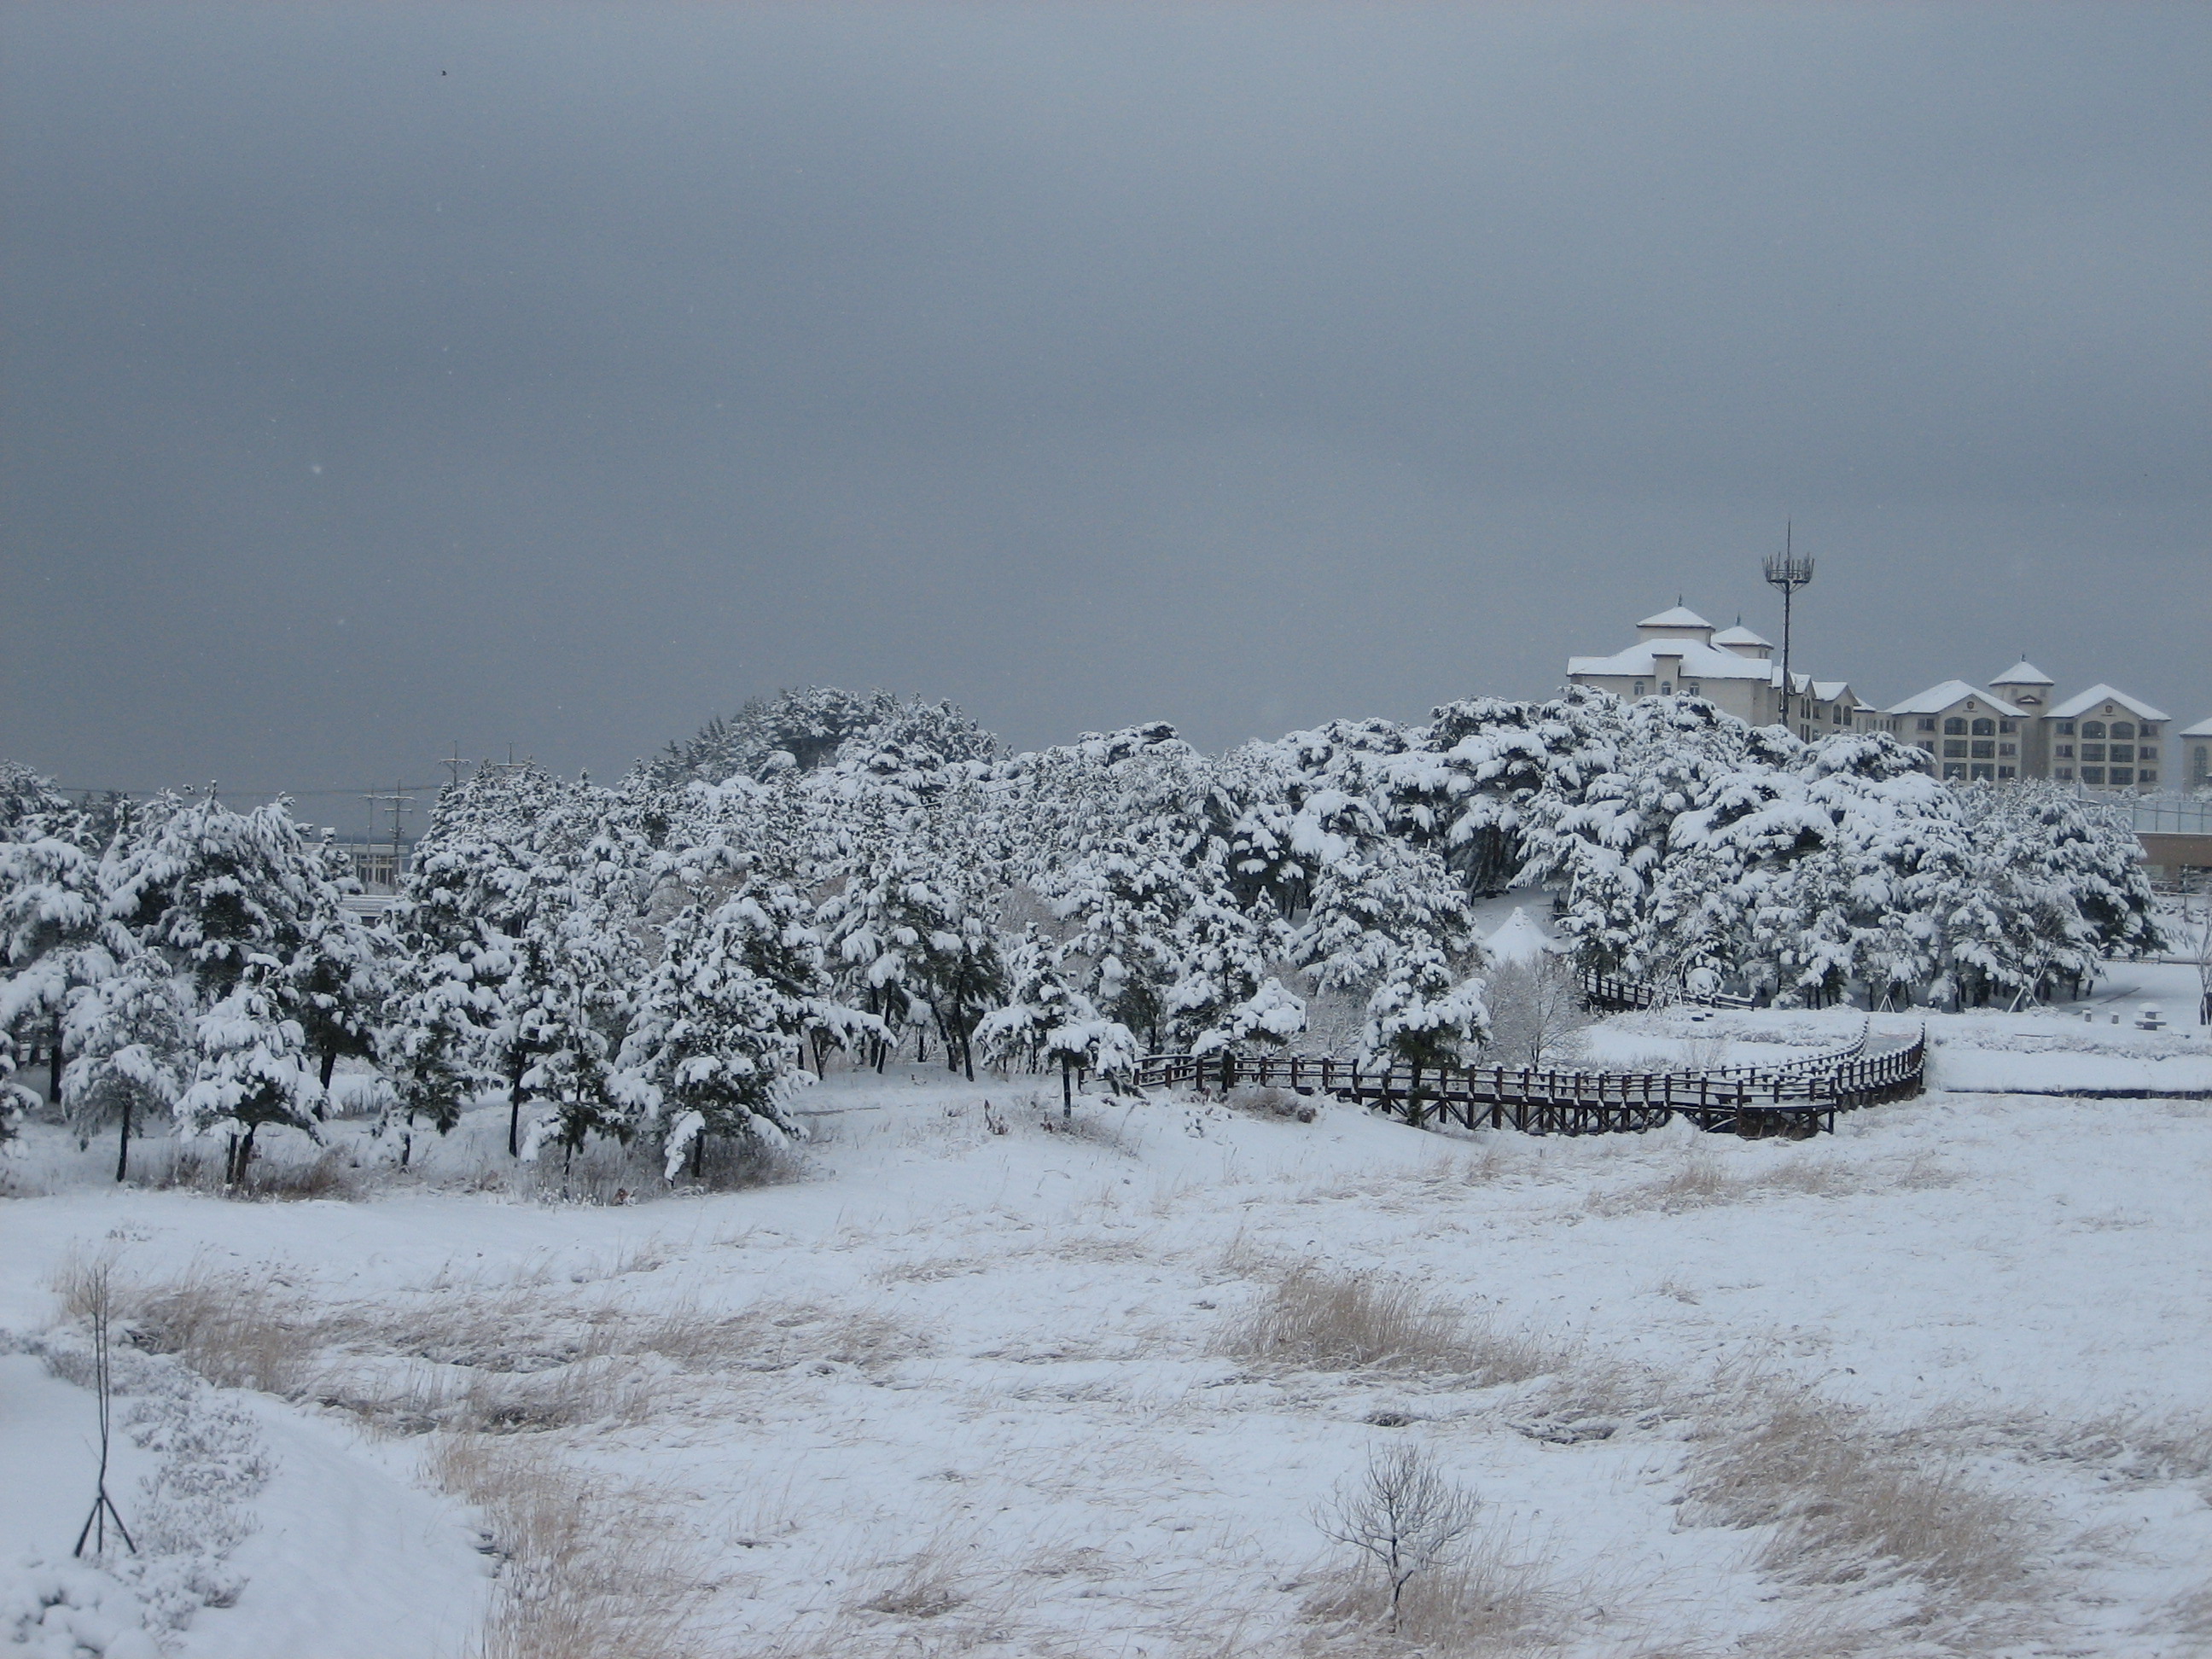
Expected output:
{"points": [[1402, 1514], [92, 1293]]}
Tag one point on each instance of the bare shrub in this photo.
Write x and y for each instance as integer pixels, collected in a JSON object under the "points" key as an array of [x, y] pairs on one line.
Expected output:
{"points": [[1285, 1104], [924, 1585], [1402, 1515], [1846, 1504], [1535, 1008], [194, 1166], [1318, 1320]]}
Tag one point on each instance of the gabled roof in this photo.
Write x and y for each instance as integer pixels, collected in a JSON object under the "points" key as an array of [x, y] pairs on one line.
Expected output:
{"points": [[2023, 672], [1739, 635], [1829, 690], [1937, 698], [2084, 701], [2202, 729], [1681, 617], [1699, 662]]}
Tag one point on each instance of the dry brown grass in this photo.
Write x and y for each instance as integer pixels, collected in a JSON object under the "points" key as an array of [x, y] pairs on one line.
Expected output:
{"points": [[580, 1577], [1314, 1320], [1489, 1602], [1849, 1505], [1701, 1179]]}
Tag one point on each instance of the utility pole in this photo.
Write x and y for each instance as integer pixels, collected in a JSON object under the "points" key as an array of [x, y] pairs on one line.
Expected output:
{"points": [[399, 802], [1788, 570], [455, 764]]}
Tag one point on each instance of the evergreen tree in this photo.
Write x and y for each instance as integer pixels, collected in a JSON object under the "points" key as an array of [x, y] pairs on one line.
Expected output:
{"points": [[254, 1069], [128, 1039], [1423, 1015]]}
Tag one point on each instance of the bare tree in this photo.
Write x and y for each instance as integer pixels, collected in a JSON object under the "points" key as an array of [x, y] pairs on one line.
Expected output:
{"points": [[1534, 1005], [1403, 1516], [2199, 943]]}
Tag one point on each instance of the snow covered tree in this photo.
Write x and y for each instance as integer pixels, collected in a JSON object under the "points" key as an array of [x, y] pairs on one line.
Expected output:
{"points": [[716, 1043], [254, 1069], [1423, 1015], [128, 1037], [1047, 1022], [1373, 899], [56, 938]]}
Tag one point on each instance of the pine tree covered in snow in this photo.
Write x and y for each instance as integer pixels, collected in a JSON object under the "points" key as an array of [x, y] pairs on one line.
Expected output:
{"points": [[57, 940], [716, 1045], [254, 1069], [128, 1039], [1424, 1015]]}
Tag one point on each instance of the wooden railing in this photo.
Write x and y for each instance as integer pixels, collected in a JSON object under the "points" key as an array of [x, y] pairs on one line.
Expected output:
{"points": [[1798, 1097], [1618, 995]]}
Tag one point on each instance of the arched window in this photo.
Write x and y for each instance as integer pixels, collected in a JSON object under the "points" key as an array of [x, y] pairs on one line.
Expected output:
{"points": [[1639, 688], [2123, 728], [1985, 728], [2093, 728], [1954, 727]]}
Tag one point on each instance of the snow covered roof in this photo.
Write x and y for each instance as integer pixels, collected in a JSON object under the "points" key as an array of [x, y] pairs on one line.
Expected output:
{"points": [[2202, 729], [1681, 617], [1518, 940], [2083, 703], [1741, 635], [1699, 662], [2023, 672], [1829, 690], [1937, 698]]}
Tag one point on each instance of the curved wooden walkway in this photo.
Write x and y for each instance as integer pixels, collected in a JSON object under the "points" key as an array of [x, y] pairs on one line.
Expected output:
{"points": [[1795, 1099]]}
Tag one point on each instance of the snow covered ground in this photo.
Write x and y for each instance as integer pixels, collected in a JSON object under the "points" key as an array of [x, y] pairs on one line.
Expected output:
{"points": [[975, 1383]]}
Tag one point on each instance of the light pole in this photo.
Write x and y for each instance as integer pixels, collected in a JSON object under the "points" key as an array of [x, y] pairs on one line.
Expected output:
{"points": [[1788, 570]]}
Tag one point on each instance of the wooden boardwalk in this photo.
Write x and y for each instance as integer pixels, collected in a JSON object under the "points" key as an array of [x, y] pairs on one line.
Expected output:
{"points": [[1795, 1099]]}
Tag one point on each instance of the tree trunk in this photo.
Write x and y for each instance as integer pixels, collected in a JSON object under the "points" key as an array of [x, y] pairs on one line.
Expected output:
{"points": [[967, 1053], [513, 1124], [699, 1154], [54, 1065], [123, 1141], [329, 1064], [1066, 1087]]}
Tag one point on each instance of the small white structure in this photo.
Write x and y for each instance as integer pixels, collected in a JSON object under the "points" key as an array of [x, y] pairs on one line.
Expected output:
{"points": [[1519, 939]]}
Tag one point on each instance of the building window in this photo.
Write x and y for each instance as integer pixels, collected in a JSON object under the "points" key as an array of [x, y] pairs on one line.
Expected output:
{"points": [[1955, 746], [1984, 749], [2147, 730], [2123, 728], [2006, 771], [2066, 728], [1985, 728], [1666, 688], [2007, 726], [2146, 751], [1954, 727], [2063, 751], [1985, 774], [1955, 768], [2093, 775], [2066, 773], [1694, 689], [1639, 688], [2008, 749], [1927, 723], [2204, 760], [2124, 775], [2146, 777], [2093, 728], [2125, 751], [2093, 752]]}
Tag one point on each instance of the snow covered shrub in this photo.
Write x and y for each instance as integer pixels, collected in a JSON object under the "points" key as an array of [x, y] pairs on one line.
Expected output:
{"points": [[1273, 1102]]}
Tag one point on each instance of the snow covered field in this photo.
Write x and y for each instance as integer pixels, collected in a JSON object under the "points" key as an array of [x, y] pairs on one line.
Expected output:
{"points": [[975, 1384]]}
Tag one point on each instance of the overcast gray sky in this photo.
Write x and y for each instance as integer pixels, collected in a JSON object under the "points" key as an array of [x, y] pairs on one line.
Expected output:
{"points": [[379, 377]]}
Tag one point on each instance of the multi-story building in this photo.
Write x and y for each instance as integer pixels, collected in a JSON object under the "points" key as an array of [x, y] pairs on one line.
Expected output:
{"points": [[1678, 651], [2107, 740], [2015, 727], [2194, 761]]}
